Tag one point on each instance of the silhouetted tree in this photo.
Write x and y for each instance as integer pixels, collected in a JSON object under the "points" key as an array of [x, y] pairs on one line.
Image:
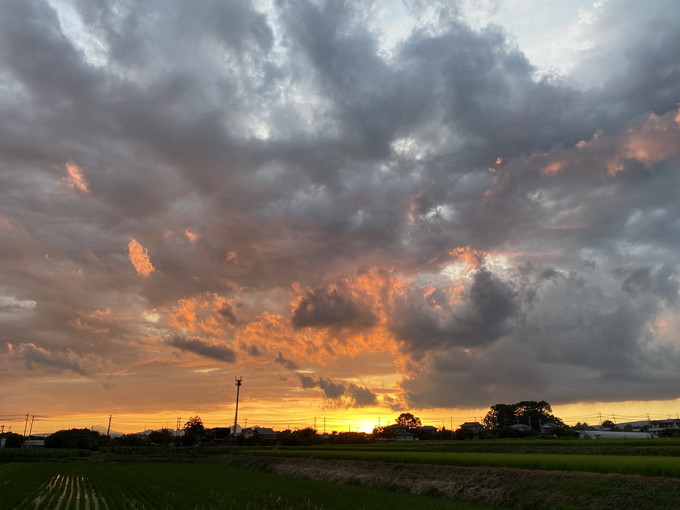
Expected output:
{"points": [[12, 440], [528, 412], [163, 436], [409, 421], [130, 440], [193, 431], [85, 439], [300, 437], [610, 425]]}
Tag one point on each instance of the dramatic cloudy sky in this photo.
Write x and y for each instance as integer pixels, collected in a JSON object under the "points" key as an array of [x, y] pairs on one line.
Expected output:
{"points": [[360, 207]]}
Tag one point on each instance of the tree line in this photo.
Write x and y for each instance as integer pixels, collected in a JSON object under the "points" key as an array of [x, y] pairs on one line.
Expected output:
{"points": [[498, 422]]}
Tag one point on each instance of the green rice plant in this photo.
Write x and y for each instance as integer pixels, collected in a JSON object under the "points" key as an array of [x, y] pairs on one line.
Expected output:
{"points": [[641, 465], [36, 454], [187, 486]]}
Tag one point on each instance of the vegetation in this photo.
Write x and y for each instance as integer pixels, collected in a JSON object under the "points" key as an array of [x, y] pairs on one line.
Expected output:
{"points": [[409, 421], [517, 474], [12, 440], [640, 465], [186, 486], [85, 439], [528, 412]]}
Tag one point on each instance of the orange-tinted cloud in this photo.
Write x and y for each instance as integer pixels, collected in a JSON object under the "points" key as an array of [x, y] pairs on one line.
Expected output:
{"points": [[654, 139], [191, 235], [75, 179], [206, 313], [472, 258], [140, 258]]}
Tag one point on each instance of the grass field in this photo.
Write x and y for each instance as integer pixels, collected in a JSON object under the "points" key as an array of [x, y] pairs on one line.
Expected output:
{"points": [[186, 486], [513, 474], [639, 465]]}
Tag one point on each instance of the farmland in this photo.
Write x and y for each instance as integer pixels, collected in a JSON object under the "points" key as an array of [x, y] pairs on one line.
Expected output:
{"points": [[182, 486], [500, 474]]}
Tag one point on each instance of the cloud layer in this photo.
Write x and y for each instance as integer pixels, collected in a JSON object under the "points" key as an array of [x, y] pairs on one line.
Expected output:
{"points": [[279, 190]]}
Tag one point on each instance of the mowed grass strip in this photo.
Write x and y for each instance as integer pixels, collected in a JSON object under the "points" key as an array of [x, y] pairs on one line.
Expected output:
{"points": [[186, 486], [640, 465]]}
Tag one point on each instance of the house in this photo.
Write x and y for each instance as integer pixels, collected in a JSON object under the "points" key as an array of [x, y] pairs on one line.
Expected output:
{"points": [[426, 432], [547, 427], [611, 434], [262, 434], [665, 428], [474, 426], [520, 427], [397, 432], [32, 443]]}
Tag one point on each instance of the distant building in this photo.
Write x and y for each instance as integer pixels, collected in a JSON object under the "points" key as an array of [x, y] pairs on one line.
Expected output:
{"points": [[521, 427], [260, 433], [665, 428], [397, 432], [611, 434], [34, 443], [547, 427], [474, 426]]}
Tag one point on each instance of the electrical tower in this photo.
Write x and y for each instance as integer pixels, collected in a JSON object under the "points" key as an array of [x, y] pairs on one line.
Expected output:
{"points": [[238, 391]]}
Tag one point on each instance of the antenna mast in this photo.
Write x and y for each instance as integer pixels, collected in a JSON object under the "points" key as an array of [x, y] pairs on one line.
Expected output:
{"points": [[238, 390]]}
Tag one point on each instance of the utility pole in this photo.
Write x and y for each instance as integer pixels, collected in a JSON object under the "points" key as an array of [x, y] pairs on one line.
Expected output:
{"points": [[238, 391], [108, 429], [30, 431], [26, 425], [315, 424]]}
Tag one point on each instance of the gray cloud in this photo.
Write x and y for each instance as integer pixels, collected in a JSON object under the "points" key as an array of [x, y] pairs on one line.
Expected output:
{"points": [[38, 358], [208, 350], [426, 318], [285, 362], [339, 394], [332, 307], [301, 153]]}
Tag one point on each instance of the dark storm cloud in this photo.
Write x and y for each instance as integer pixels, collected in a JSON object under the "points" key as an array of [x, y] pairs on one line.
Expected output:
{"points": [[285, 362], [208, 350], [340, 394], [297, 151], [427, 319], [40, 359], [331, 307], [579, 332]]}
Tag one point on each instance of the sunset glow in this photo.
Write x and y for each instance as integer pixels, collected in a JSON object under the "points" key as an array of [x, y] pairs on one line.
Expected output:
{"points": [[362, 209]]}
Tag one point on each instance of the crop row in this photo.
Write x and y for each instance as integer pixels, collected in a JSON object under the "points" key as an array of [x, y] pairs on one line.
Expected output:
{"points": [[28, 454], [641, 465], [186, 486]]}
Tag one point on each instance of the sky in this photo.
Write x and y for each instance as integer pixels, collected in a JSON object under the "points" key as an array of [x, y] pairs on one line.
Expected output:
{"points": [[362, 208]]}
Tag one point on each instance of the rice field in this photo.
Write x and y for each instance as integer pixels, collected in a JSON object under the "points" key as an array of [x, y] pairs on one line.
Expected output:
{"points": [[460, 475], [187, 486], [639, 465]]}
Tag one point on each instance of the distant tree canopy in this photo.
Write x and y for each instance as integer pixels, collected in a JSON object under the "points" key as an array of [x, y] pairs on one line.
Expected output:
{"points": [[76, 438], [12, 440], [193, 431], [528, 412], [409, 421]]}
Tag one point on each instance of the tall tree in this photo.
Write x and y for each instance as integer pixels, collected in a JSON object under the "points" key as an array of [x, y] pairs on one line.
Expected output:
{"points": [[528, 412], [193, 431], [409, 421]]}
